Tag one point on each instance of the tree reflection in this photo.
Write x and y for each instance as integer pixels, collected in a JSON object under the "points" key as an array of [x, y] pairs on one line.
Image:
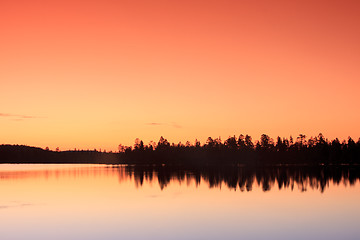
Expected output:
{"points": [[243, 178], [282, 177]]}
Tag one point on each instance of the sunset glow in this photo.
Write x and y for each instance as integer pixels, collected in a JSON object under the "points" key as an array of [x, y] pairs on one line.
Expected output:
{"points": [[94, 74]]}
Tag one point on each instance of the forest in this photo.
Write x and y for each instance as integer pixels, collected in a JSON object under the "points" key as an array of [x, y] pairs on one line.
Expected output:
{"points": [[243, 151], [234, 150]]}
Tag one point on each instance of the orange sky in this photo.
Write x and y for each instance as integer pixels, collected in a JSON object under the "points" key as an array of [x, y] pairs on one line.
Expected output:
{"points": [[93, 74]]}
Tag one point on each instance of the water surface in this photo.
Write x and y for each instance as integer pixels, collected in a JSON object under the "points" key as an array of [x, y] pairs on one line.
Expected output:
{"points": [[128, 202]]}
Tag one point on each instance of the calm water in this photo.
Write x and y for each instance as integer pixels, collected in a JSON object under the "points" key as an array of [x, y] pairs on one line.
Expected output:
{"points": [[124, 202]]}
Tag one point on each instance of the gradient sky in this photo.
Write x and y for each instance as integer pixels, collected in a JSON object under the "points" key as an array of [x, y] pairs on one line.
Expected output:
{"points": [[93, 74]]}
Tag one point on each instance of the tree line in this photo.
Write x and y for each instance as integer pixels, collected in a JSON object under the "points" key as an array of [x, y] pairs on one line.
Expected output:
{"points": [[234, 150], [243, 150], [27, 154]]}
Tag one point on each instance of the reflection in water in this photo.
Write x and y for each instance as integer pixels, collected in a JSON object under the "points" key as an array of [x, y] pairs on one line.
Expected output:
{"points": [[41, 202], [244, 178], [236, 178]]}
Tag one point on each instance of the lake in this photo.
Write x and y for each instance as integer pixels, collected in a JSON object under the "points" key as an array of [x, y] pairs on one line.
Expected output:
{"points": [[159, 202]]}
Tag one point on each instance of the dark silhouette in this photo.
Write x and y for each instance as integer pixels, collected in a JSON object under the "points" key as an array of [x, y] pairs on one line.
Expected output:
{"points": [[242, 151], [25, 154], [297, 178], [215, 152], [243, 178]]}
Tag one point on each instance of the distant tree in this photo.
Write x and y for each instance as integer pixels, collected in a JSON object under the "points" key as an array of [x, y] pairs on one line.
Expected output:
{"points": [[152, 145], [197, 143], [163, 143], [121, 148], [141, 145], [137, 143], [265, 141], [210, 142], [336, 150], [286, 143], [218, 142], [258, 146], [280, 146], [301, 139], [231, 143], [321, 139], [351, 142], [248, 142], [311, 142], [241, 142], [291, 140]]}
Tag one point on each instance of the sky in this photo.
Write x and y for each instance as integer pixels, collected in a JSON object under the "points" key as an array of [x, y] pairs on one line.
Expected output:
{"points": [[94, 74]]}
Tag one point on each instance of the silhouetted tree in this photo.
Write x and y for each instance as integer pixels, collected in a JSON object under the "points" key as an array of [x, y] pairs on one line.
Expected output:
{"points": [[231, 143], [241, 142], [280, 146], [210, 142], [301, 140], [163, 143], [248, 142], [121, 148], [265, 142], [197, 143]]}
